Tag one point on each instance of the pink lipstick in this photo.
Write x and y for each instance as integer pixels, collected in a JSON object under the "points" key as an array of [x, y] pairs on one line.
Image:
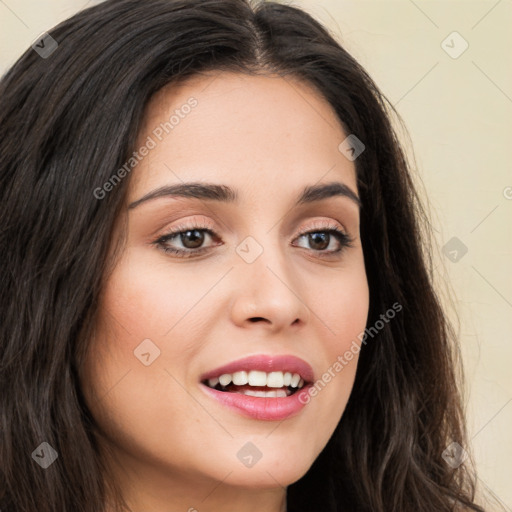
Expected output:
{"points": [[262, 387]]}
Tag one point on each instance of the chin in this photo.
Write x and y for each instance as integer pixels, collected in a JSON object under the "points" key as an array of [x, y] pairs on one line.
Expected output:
{"points": [[267, 476], [273, 465]]}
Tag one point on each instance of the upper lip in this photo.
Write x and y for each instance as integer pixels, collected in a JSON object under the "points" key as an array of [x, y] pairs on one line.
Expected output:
{"points": [[265, 363]]}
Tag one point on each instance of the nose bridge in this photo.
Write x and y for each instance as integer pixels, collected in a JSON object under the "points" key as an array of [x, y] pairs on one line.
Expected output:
{"points": [[264, 253], [266, 284]]}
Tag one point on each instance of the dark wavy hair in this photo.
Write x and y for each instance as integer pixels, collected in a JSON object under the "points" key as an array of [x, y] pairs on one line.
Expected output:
{"points": [[69, 120]]}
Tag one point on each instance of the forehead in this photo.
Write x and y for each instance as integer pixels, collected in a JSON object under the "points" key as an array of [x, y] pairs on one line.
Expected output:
{"points": [[241, 130]]}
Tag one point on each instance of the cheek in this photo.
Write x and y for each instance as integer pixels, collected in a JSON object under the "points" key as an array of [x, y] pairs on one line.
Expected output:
{"points": [[149, 299], [343, 311], [142, 302]]}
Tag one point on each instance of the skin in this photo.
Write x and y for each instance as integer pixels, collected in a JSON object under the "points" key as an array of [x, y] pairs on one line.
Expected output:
{"points": [[169, 446]]}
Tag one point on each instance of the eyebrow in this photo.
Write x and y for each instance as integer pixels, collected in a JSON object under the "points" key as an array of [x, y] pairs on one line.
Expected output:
{"points": [[224, 193]]}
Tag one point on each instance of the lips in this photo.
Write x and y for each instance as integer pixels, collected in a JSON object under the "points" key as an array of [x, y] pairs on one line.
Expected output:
{"points": [[262, 387], [263, 363], [257, 383]]}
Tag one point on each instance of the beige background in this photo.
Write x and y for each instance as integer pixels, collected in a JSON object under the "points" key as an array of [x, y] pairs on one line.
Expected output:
{"points": [[458, 112]]}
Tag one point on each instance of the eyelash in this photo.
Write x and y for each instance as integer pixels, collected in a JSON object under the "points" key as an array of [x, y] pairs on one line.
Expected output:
{"points": [[343, 238]]}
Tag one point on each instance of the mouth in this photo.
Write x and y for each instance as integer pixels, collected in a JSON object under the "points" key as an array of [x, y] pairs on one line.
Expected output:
{"points": [[277, 384], [261, 387]]}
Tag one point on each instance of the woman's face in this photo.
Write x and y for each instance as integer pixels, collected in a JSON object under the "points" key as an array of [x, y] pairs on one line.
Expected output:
{"points": [[253, 285]]}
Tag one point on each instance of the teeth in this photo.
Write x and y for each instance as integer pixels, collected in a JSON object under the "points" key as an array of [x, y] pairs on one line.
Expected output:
{"points": [[278, 393], [213, 382], [295, 380], [275, 380], [240, 378], [225, 379], [259, 378]]}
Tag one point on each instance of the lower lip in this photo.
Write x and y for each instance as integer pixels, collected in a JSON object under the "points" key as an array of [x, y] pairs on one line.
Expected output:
{"points": [[262, 408]]}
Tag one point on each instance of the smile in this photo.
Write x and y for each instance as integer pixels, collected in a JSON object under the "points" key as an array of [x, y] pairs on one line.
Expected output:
{"points": [[258, 383], [261, 387]]}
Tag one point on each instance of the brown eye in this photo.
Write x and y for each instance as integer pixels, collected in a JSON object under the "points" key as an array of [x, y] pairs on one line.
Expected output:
{"points": [[319, 241], [186, 241], [192, 239]]}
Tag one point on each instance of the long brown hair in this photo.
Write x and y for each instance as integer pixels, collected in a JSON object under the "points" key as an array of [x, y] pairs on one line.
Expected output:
{"points": [[69, 120]]}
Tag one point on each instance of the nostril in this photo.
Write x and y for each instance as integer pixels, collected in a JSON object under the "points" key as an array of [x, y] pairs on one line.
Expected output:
{"points": [[256, 319]]}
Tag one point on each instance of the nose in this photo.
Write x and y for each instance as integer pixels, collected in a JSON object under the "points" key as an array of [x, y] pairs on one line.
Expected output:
{"points": [[269, 292]]}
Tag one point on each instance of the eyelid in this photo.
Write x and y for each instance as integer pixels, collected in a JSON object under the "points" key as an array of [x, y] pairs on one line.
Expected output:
{"points": [[209, 226], [192, 223], [324, 225], [344, 239]]}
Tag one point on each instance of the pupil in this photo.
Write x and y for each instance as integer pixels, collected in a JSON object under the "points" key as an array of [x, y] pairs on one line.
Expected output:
{"points": [[322, 236], [197, 238]]}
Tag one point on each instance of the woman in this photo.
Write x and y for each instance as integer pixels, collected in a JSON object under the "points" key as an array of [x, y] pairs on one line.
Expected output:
{"points": [[208, 225]]}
